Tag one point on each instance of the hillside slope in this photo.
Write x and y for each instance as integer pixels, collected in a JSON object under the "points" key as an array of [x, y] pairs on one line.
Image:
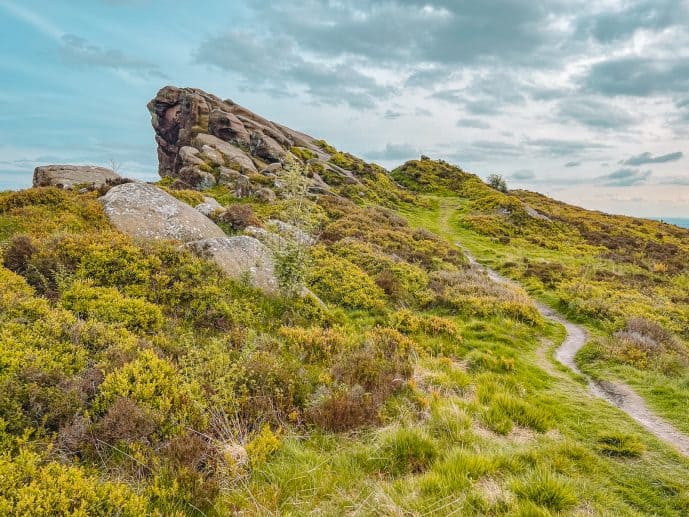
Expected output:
{"points": [[387, 375]]}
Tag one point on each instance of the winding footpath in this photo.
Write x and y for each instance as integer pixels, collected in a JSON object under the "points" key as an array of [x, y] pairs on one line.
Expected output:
{"points": [[618, 394]]}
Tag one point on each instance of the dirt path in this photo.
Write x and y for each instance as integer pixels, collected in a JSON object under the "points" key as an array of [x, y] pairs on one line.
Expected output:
{"points": [[617, 394]]}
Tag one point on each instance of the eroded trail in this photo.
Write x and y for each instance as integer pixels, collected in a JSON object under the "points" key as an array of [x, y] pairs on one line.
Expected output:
{"points": [[617, 394]]}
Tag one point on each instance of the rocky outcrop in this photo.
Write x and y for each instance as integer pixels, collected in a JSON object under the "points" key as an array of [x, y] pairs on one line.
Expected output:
{"points": [[240, 258], [70, 176], [147, 212], [198, 135]]}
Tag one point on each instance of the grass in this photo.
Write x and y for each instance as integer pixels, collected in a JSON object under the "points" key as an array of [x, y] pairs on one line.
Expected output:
{"points": [[665, 388]]}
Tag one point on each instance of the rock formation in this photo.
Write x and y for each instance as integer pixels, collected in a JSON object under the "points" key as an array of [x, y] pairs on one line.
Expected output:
{"points": [[198, 134], [69, 176], [147, 212]]}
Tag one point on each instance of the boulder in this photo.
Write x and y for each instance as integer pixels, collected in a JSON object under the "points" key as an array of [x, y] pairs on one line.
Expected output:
{"points": [[242, 186], [240, 258], [208, 206], [69, 176], [228, 127], [190, 156], [147, 212], [266, 195], [290, 232]]}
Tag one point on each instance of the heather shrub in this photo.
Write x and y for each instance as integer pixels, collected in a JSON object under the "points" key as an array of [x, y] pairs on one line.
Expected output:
{"points": [[342, 408], [238, 217], [18, 253]]}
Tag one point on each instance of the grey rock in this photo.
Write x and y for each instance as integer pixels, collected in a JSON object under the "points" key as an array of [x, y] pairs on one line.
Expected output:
{"points": [[290, 231], [208, 206], [69, 176], [243, 186], [147, 212], [241, 258], [266, 195]]}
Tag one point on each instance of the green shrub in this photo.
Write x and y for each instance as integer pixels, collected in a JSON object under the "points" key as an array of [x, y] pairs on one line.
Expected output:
{"points": [[339, 281], [30, 485], [108, 305], [155, 386]]}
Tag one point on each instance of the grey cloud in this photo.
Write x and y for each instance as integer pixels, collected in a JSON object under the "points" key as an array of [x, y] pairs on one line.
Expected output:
{"points": [[392, 115], [275, 63], [523, 174], [594, 113], [393, 152], [624, 21], [427, 78], [422, 112], [626, 177], [675, 180], [78, 51], [555, 147], [473, 123], [645, 158], [572, 164], [638, 76]]}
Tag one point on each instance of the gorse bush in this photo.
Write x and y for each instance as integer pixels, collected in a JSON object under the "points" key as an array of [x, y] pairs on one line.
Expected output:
{"points": [[154, 385], [108, 305]]}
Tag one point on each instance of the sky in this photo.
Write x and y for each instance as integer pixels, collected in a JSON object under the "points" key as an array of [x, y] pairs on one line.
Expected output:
{"points": [[584, 101]]}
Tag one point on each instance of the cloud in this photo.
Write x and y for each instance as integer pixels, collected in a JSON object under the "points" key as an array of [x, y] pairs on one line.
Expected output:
{"points": [[392, 115], [558, 147], [397, 152], [473, 123], [638, 76], [645, 158], [572, 164], [624, 20], [78, 51], [274, 63], [675, 180], [523, 174], [625, 178], [594, 113]]}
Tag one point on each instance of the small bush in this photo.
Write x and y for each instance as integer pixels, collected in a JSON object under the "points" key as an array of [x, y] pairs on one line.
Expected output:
{"points": [[406, 451], [342, 409], [18, 253], [29, 485], [106, 304], [497, 182], [238, 217], [612, 443], [154, 385], [339, 281]]}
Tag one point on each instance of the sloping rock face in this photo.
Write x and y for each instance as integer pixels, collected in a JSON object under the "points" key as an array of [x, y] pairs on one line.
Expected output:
{"points": [[69, 176], [198, 134], [147, 212], [241, 257]]}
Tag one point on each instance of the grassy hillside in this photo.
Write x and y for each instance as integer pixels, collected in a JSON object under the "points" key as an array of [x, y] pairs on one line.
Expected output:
{"points": [[626, 278], [138, 379]]}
